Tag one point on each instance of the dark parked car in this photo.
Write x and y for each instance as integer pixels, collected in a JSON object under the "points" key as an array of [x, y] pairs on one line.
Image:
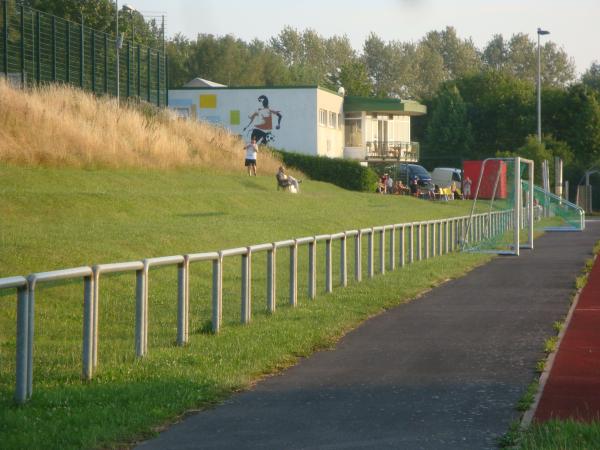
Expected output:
{"points": [[409, 172]]}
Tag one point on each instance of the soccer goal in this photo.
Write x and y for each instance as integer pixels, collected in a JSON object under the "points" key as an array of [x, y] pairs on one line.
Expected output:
{"points": [[502, 213]]}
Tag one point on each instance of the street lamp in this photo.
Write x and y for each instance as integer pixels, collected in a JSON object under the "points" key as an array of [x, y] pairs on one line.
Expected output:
{"points": [[540, 32]]}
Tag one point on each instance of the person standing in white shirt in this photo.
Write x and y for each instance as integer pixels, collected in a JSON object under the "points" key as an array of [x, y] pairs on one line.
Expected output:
{"points": [[251, 153]]}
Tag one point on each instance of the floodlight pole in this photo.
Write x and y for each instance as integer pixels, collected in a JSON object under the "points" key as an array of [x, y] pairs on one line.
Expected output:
{"points": [[540, 32]]}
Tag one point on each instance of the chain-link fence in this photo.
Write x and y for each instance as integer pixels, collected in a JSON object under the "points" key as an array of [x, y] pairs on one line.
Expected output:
{"points": [[40, 48]]}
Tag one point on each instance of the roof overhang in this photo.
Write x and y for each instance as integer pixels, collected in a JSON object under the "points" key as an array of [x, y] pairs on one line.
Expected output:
{"points": [[384, 105]]}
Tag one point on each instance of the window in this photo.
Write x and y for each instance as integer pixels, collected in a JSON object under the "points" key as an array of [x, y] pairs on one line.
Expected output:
{"points": [[339, 119], [332, 120], [353, 133], [322, 117]]}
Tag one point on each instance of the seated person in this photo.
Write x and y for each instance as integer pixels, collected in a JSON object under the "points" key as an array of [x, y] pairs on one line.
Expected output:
{"points": [[284, 180], [414, 187], [455, 192]]}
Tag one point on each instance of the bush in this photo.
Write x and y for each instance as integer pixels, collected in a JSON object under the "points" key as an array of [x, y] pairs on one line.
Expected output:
{"points": [[341, 172]]}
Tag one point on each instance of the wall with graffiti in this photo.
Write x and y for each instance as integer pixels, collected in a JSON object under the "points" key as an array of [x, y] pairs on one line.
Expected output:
{"points": [[284, 118]]}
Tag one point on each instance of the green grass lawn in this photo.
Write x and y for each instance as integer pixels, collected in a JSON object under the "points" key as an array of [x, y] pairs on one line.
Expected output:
{"points": [[59, 218]]}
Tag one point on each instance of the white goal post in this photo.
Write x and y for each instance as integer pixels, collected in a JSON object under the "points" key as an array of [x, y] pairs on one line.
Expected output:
{"points": [[522, 215]]}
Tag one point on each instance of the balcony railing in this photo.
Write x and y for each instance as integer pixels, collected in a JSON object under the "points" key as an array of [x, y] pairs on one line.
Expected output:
{"points": [[392, 150]]}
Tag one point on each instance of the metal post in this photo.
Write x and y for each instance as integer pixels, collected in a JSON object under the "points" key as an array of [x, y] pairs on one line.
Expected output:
{"points": [[166, 80], [217, 294], [434, 236], [328, 268], [245, 312], [427, 243], [419, 244], [105, 64], [382, 251], [370, 255], [38, 68], [312, 270], [148, 75], [343, 262], [5, 36], [358, 256], [22, 47], [140, 306], [30, 334], [440, 238], [294, 274], [447, 235], [93, 51], [411, 243], [139, 73], [53, 33], [22, 340], [81, 55], [401, 245], [518, 202], [392, 248], [271, 282], [96, 309], [88, 328], [158, 79], [539, 90], [128, 69], [68, 51], [183, 301], [117, 50]]}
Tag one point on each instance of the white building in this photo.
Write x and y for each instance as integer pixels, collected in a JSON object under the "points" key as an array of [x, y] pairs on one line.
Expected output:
{"points": [[306, 119]]}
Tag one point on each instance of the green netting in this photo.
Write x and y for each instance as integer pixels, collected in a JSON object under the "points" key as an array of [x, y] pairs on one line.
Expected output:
{"points": [[490, 227], [554, 213]]}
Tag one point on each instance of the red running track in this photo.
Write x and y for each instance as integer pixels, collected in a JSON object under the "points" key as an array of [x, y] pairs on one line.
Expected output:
{"points": [[573, 387]]}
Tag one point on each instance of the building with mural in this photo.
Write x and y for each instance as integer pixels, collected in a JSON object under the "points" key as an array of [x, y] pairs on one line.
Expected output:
{"points": [[305, 119]]}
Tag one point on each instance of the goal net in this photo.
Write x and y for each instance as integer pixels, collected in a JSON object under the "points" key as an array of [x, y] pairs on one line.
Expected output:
{"points": [[502, 212], [554, 213]]}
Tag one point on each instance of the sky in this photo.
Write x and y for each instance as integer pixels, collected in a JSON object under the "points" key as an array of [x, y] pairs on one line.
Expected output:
{"points": [[574, 25]]}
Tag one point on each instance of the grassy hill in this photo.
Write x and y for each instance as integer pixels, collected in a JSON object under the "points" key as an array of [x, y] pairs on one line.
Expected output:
{"points": [[62, 207]]}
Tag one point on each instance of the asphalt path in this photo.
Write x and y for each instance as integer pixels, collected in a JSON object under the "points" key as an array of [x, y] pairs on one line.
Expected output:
{"points": [[442, 372]]}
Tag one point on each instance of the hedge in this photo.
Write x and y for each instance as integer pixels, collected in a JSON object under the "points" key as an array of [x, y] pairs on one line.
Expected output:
{"points": [[345, 173]]}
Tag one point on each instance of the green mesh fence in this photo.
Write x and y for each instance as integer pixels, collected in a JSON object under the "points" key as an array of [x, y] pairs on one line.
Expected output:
{"points": [[39, 48], [490, 227], [554, 213]]}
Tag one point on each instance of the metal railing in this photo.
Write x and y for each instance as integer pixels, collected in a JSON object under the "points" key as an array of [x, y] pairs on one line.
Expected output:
{"points": [[406, 243], [392, 150], [39, 48]]}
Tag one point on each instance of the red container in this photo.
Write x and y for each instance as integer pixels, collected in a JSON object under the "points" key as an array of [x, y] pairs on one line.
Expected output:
{"points": [[472, 169]]}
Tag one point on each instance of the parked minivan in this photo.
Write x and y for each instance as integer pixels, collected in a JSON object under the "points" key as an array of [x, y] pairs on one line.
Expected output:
{"points": [[444, 176], [408, 172]]}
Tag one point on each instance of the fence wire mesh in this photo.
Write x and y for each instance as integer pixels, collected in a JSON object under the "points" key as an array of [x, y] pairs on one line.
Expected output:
{"points": [[40, 48]]}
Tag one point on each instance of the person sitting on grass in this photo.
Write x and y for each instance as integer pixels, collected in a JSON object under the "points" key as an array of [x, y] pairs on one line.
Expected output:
{"points": [[285, 180]]}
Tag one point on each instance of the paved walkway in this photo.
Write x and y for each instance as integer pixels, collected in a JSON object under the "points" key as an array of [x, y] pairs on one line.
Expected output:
{"points": [[572, 390], [442, 372]]}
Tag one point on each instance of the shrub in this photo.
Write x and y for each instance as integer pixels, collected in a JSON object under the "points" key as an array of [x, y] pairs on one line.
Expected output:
{"points": [[341, 172]]}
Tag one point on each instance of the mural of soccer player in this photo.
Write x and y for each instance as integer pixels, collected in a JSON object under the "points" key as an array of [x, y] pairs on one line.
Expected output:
{"points": [[262, 122]]}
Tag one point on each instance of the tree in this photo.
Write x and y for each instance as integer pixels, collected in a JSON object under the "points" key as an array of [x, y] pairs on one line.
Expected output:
{"points": [[501, 110], [591, 77], [355, 79], [448, 138], [518, 57]]}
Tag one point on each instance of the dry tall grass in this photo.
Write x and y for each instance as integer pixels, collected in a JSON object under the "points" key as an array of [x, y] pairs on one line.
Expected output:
{"points": [[62, 126]]}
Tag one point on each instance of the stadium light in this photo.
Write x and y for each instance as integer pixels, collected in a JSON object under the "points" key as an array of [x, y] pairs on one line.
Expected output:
{"points": [[540, 32]]}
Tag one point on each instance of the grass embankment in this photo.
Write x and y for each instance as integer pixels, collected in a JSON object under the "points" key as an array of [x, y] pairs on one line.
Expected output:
{"points": [[61, 126], [60, 218]]}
